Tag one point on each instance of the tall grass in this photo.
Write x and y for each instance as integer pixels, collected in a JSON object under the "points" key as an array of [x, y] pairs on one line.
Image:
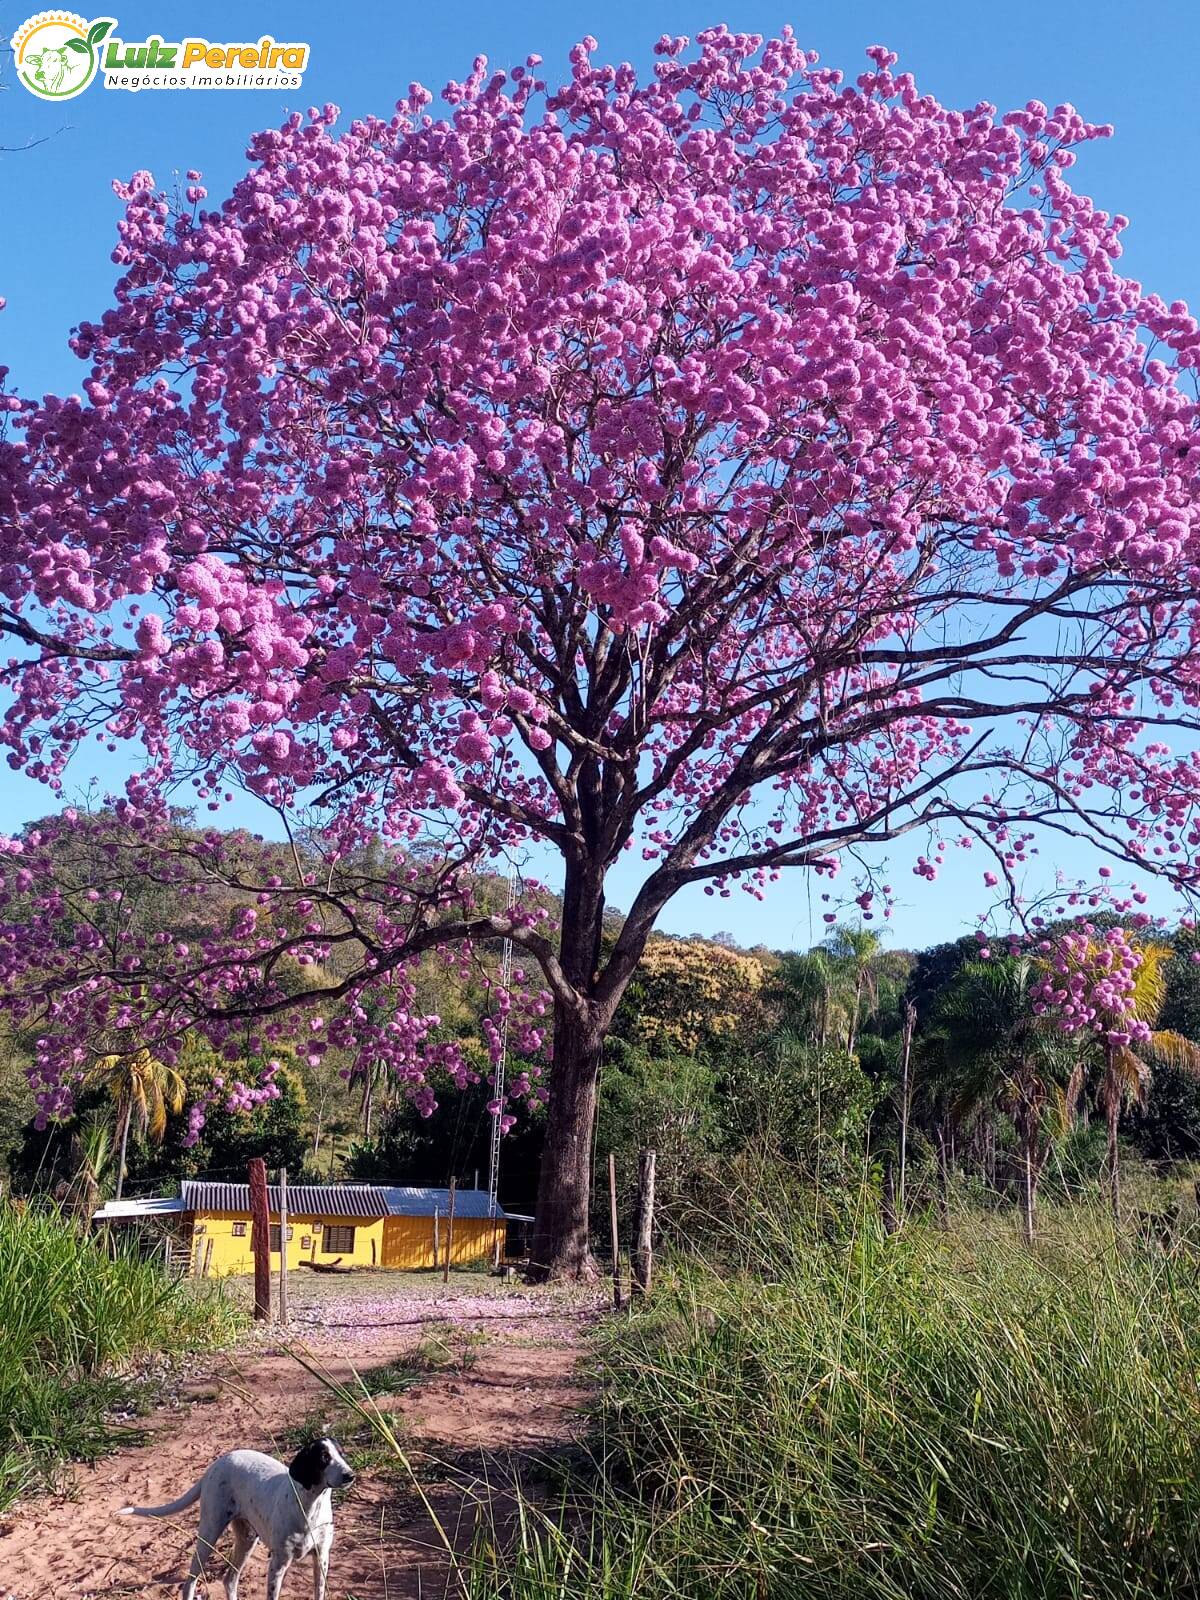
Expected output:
{"points": [[835, 1414], [72, 1319]]}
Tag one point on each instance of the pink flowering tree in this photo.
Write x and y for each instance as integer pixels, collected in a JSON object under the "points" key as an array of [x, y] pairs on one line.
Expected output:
{"points": [[1109, 987], [733, 467]]}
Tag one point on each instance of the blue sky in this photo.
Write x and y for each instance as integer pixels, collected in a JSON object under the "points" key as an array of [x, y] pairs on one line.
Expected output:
{"points": [[58, 214]]}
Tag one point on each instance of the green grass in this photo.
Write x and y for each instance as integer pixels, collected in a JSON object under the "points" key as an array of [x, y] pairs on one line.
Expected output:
{"points": [[832, 1414], [352, 1415], [369, 1432], [446, 1347], [74, 1323]]}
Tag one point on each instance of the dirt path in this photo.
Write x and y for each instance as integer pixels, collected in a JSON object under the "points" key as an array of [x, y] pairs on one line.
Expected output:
{"points": [[519, 1395]]}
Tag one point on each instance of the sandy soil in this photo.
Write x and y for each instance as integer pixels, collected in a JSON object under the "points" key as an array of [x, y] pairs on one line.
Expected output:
{"points": [[461, 1428]]}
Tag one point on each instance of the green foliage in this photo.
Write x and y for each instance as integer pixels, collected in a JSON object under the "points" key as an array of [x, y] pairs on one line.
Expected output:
{"points": [[812, 1103], [1167, 1127], [276, 1130], [665, 1099], [808, 996], [936, 967], [1181, 1007], [44, 1160], [986, 1043], [72, 1315], [454, 1142], [16, 1103]]}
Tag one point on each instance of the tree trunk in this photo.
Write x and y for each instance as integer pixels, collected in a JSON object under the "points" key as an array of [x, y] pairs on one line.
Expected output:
{"points": [[910, 1022], [943, 1184], [852, 1034], [1113, 1115], [560, 1247], [1030, 1192], [560, 1237], [368, 1102], [126, 1119], [888, 1195]]}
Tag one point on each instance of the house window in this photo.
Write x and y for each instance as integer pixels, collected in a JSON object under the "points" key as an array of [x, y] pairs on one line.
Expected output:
{"points": [[239, 1230], [275, 1238], [338, 1240]]}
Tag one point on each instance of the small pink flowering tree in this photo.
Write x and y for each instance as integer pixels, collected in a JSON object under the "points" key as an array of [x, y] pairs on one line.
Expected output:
{"points": [[1111, 986], [735, 466]]}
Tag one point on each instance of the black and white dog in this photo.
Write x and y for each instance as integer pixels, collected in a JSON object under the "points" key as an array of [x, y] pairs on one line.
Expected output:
{"points": [[289, 1508]]}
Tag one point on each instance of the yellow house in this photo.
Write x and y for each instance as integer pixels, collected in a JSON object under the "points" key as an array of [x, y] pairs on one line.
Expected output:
{"points": [[347, 1224]]}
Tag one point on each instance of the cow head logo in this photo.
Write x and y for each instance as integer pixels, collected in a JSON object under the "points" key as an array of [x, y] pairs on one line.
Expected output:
{"points": [[57, 54]]}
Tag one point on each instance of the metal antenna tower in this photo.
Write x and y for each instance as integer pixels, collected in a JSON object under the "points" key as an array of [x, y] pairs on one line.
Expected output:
{"points": [[506, 961]]}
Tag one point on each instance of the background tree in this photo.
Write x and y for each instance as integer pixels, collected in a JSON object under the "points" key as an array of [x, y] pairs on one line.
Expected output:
{"points": [[1166, 1126], [989, 1045], [739, 467], [810, 1104], [665, 1099], [856, 953], [274, 1125], [452, 1142], [1111, 988], [16, 1098], [140, 1087], [1181, 1002], [807, 993], [692, 996], [934, 968], [92, 1153]]}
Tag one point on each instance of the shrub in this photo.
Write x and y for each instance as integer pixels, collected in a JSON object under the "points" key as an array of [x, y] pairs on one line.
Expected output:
{"points": [[74, 1318]]}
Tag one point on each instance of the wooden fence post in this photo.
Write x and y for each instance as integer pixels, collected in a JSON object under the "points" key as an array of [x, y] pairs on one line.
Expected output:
{"points": [[283, 1247], [449, 1235], [612, 1209], [260, 1239], [910, 1023], [643, 1255]]}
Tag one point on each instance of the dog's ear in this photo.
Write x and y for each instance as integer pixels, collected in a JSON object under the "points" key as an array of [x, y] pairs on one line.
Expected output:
{"points": [[308, 1468]]}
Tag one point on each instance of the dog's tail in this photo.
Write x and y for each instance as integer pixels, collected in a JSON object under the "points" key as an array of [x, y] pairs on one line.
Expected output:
{"points": [[184, 1501]]}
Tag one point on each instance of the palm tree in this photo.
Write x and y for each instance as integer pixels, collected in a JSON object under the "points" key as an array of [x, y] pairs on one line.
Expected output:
{"points": [[810, 994], [987, 1046], [1127, 1063], [141, 1086], [855, 952], [92, 1153], [377, 1075]]}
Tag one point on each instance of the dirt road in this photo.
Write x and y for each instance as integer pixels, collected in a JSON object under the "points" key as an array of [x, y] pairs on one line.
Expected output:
{"points": [[511, 1391]]}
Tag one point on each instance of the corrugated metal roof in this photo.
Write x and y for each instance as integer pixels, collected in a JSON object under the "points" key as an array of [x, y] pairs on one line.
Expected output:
{"points": [[341, 1200], [153, 1206], [418, 1202], [303, 1199]]}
